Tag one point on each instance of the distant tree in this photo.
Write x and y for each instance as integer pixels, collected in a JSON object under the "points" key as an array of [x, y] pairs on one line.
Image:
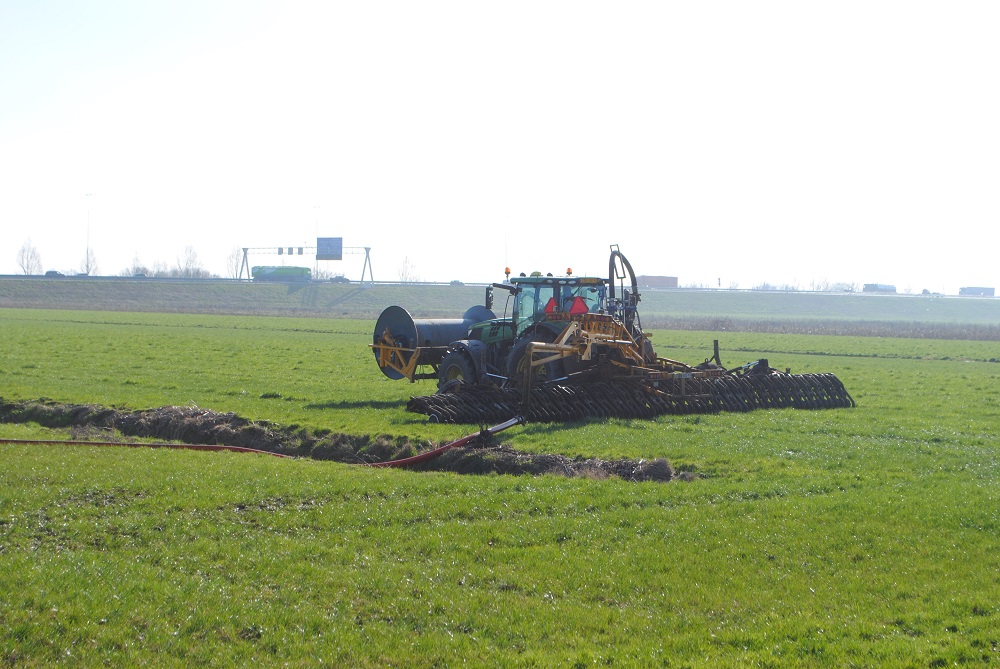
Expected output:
{"points": [[89, 264], [234, 262], [136, 268], [188, 266], [407, 272], [28, 259], [785, 287], [160, 270]]}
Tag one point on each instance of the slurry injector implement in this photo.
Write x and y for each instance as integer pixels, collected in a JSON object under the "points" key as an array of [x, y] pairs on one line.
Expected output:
{"points": [[569, 348]]}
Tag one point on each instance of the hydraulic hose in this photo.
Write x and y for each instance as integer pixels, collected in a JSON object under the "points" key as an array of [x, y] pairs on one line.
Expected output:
{"points": [[430, 455], [191, 447]]}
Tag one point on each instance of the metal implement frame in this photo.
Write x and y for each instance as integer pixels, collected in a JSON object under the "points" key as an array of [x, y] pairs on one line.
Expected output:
{"points": [[583, 332], [405, 360]]}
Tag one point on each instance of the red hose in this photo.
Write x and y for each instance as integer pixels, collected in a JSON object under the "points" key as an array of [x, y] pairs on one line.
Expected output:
{"points": [[430, 455], [192, 447]]}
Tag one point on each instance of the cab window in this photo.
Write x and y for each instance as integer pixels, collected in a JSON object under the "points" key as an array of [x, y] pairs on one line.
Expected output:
{"points": [[582, 299], [533, 303]]}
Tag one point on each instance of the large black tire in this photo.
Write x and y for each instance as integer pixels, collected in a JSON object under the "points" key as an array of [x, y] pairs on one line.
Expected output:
{"points": [[540, 375], [456, 368]]}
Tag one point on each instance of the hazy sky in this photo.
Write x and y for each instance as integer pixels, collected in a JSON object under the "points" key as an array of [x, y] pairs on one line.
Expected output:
{"points": [[732, 142]]}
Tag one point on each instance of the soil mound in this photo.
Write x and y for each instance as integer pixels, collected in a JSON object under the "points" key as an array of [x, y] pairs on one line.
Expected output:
{"points": [[194, 425]]}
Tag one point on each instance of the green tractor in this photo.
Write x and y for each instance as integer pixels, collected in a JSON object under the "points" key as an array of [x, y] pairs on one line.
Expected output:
{"points": [[572, 347], [483, 349]]}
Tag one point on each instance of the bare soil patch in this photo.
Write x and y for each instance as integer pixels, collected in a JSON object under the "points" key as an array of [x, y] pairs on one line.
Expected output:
{"points": [[194, 425]]}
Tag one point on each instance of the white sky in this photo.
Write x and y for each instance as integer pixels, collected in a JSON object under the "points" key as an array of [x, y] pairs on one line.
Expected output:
{"points": [[786, 142]]}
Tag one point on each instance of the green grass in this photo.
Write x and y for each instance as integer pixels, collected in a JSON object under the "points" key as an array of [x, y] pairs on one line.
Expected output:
{"points": [[183, 558], [320, 373], [862, 537], [313, 299]]}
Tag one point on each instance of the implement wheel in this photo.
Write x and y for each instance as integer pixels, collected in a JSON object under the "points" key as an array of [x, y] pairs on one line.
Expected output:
{"points": [[456, 368], [519, 358]]}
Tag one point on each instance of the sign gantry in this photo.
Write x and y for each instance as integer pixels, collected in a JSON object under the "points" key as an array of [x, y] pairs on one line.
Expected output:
{"points": [[327, 248]]}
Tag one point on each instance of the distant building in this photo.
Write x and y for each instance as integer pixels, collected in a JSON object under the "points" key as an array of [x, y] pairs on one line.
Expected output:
{"points": [[878, 288], [976, 291], [657, 281]]}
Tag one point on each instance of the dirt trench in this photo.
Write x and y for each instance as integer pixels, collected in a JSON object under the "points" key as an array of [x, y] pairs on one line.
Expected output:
{"points": [[194, 425]]}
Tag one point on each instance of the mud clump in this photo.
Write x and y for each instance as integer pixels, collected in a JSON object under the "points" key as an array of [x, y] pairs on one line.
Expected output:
{"points": [[503, 459], [194, 425]]}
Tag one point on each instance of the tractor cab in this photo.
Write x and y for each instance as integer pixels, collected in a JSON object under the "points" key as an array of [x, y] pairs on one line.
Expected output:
{"points": [[538, 299]]}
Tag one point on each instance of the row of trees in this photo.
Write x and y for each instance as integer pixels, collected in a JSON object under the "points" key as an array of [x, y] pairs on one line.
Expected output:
{"points": [[814, 286], [29, 260], [187, 267]]}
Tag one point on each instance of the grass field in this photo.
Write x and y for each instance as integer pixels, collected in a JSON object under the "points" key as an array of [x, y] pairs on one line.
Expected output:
{"points": [[864, 537]]}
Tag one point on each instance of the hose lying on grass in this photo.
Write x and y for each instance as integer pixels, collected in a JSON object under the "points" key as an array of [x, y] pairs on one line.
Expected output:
{"points": [[430, 455], [136, 444]]}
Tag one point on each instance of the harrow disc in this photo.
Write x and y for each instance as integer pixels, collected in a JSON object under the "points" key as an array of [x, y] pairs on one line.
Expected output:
{"points": [[631, 398]]}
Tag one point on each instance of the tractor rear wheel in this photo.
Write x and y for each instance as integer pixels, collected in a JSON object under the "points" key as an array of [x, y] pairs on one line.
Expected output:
{"points": [[456, 368], [518, 359]]}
